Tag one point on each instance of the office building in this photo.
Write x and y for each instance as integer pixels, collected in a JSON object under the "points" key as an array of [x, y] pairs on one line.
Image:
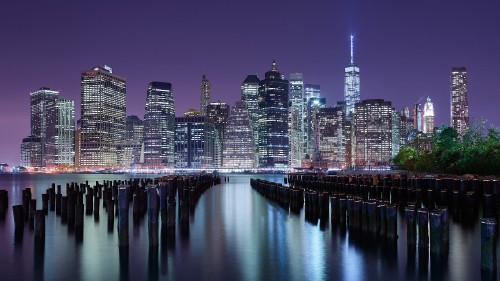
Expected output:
{"points": [[238, 141], [459, 100], [296, 123], [103, 114], [351, 85], [159, 121], [250, 96], [273, 121], [194, 142], [217, 114], [205, 94]]}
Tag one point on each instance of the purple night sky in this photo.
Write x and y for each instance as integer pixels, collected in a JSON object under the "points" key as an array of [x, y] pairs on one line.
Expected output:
{"points": [[405, 50]]}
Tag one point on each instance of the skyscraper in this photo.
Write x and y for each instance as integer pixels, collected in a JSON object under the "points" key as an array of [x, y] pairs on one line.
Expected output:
{"points": [[64, 141], [311, 127], [43, 122], [31, 152], [333, 137], [351, 86], [373, 132], [103, 113], [159, 122], [238, 141], [217, 114], [273, 120], [296, 125], [250, 96], [459, 103], [194, 142], [428, 117], [205, 93], [53, 122], [132, 148]]}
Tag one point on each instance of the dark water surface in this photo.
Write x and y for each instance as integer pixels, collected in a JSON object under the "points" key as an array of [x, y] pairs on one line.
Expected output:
{"points": [[234, 234]]}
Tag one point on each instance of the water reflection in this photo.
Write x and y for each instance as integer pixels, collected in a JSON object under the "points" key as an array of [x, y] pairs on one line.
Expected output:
{"points": [[237, 235]]}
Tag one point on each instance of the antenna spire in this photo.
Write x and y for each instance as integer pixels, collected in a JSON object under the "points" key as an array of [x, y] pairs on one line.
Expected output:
{"points": [[352, 49]]}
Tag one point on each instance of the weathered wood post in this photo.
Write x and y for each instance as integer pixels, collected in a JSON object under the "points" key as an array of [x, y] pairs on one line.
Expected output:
{"points": [[111, 215], [423, 222], [18, 216], [411, 230], [123, 216], [392, 221], [488, 244], [64, 208], [45, 203], [436, 231], [153, 206], [39, 224]]}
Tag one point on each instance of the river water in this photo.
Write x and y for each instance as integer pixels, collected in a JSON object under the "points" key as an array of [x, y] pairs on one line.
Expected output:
{"points": [[233, 234]]}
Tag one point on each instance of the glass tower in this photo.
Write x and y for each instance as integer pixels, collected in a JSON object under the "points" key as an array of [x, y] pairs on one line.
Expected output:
{"points": [[159, 122], [273, 120], [351, 86], [205, 93], [103, 113], [218, 113], [296, 124], [238, 141], [459, 103], [250, 96], [194, 142]]}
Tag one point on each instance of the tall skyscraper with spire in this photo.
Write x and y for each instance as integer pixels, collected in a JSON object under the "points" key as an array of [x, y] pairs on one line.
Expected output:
{"points": [[205, 92], [351, 86], [459, 103], [273, 120]]}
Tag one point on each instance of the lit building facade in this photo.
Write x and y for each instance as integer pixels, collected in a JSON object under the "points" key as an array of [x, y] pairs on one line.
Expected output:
{"points": [[333, 137], [351, 85], [132, 148], [314, 104], [428, 117], [459, 100], [217, 114], [296, 123], [159, 122], [250, 96], [64, 140], [31, 152], [238, 140], [194, 142], [103, 114], [43, 123], [373, 133], [205, 93], [273, 121]]}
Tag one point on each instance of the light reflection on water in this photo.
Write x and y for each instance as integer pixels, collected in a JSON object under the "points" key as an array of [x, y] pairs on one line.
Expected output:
{"points": [[233, 234]]}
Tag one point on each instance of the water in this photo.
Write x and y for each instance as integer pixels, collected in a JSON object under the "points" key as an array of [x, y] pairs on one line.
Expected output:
{"points": [[234, 234]]}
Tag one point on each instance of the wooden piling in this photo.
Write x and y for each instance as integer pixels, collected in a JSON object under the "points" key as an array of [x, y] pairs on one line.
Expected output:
{"points": [[153, 206], [123, 216], [411, 230], [436, 231], [18, 216], [488, 244], [39, 224], [392, 222], [423, 228]]}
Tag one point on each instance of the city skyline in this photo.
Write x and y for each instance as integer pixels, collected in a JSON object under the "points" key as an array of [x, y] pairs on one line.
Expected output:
{"points": [[409, 58]]}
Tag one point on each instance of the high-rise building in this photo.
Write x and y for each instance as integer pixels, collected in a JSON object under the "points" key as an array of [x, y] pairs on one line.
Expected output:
{"points": [[273, 120], [43, 123], [333, 136], [351, 86], [134, 129], [296, 124], [205, 93], [238, 140], [459, 102], [373, 133], [250, 96], [194, 142], [192, 112], [314, 104], [133, 146], [53, 121], [396, 133], [428, 117], [218, 113], [159, 122], [31, 152], [64, 140], [103, 114]]}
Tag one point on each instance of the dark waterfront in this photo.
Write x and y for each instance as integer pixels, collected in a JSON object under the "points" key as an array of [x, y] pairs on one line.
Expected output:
{"points": [[233, 234]]}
